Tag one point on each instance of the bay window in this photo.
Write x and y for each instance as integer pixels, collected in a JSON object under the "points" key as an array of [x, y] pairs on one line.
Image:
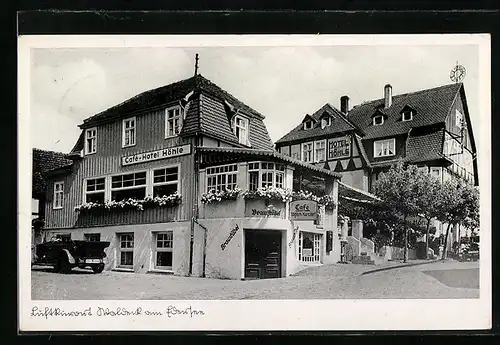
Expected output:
{"points": [[307, 152], [222, 177], [165, 181], [95, 190], [384, 148], [126, 186], [265, 174]]}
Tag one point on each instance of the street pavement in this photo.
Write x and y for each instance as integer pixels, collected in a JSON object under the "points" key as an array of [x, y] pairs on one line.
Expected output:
{"points": [[448, 279]]}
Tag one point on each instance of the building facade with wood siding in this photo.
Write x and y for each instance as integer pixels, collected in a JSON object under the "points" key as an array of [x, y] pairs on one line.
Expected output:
{"points": [[167, 148]]}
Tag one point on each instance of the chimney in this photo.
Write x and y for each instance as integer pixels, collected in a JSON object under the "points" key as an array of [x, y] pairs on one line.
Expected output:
{"points": [[344, 104], [387, 96]]}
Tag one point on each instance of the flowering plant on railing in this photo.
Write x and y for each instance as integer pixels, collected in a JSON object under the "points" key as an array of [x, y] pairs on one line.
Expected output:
{"points": [[130, 203], [217, 196], [269, 193], [325, 200]]}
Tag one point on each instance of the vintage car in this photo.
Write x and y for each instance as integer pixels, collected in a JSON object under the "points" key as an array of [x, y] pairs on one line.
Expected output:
{"points": [[65, 255]]}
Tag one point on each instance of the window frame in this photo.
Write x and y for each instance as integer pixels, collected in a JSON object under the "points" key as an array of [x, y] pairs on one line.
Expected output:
{"points": [[215, 175], [308, 125], [275, 172], [316, 160], [180, 119], [327, 121], [124, 131], [302, 151], [246, 139], [125, 250], [376, 117], [407, 112], [391, 140], [60, 191], [85, 192], [157, 250], [111, 189], [157, 184], [94, 147], [458, 122]]}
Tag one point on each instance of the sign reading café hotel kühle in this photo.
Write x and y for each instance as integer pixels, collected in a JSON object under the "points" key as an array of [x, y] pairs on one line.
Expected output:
{"points": [[167, 152], [303, 210]]}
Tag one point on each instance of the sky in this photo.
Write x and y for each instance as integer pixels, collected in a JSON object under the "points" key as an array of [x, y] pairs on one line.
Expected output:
{"points": [[284, 84]]}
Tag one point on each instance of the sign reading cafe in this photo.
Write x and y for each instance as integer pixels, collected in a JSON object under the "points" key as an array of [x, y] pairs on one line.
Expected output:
{"points": [[303, 210], [167, 152], [339, 147]]}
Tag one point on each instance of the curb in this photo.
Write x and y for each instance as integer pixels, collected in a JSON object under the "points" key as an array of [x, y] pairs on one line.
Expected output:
{"points": [[399, 266]]}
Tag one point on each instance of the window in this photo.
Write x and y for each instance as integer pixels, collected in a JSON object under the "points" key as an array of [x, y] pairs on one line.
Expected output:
{"points": [[163, 255], [319, 150], [173, 121], [165, 181], [307, 152], [126, 250], [378, 120], [265, 174], [92, 237], [458, 119], [407, 115], [94, 190], [309, 247], [222, 177], [63, 238], [58, 195], [326, 122], [128, 186], [90, 141], [384, 148], [128, 134], [240, 126], [308, 125]]}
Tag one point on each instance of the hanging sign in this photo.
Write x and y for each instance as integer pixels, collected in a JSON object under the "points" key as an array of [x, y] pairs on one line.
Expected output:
{"points": [[167, 152], [303, 210]]}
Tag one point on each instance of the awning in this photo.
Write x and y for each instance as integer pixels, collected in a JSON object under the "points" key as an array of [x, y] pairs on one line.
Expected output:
{"points": [[353, 194]]}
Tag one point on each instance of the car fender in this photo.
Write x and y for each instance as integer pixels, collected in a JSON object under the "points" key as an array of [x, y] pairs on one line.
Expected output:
{"points": [[71, 259]]}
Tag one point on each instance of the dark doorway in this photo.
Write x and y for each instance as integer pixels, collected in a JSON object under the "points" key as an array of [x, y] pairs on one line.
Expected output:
{"points": [[262, 254]]}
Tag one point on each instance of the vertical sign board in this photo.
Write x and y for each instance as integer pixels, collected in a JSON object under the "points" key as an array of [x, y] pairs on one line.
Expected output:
{"points": [[303, 210], [339, 147]]}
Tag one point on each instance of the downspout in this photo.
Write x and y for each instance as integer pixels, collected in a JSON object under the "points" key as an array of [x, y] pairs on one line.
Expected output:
{"points": [[204, 244], [406, 143], [195, 202]]}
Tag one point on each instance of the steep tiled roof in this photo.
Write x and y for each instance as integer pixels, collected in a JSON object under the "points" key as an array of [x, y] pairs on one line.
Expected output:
{"points": [[43, 163], [425, 147], [208, 100], [339, 124], [431, 106]]}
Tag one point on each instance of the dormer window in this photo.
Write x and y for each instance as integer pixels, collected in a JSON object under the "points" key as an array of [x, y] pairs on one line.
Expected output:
{"points": [[240, 126], [378, 120], [407, 115], [326, 122], [308, 125]]}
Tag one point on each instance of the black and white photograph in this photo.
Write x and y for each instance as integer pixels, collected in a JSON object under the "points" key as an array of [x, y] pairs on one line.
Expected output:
{"points": [[186, 178]]}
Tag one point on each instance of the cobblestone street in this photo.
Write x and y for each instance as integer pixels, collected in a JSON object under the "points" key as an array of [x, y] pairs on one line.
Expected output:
{"points": [[431, 280]]}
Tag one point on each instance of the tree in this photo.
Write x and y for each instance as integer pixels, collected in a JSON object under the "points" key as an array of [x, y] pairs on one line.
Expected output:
{"points": [[458, 202], [428, 202], [400, 192]]}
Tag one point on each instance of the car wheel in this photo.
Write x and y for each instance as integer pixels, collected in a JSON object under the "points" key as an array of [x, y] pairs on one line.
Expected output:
{"points": [[98, 268], [64, 266]]}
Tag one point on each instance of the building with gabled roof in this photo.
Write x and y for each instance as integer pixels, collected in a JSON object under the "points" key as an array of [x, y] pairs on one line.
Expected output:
{"points": [[184, 179]]}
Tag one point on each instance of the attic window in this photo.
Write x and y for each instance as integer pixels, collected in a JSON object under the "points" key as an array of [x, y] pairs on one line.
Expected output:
{"points": [[407, 115], [240, 126], [326, 122], [378, 120], [308, 125]]}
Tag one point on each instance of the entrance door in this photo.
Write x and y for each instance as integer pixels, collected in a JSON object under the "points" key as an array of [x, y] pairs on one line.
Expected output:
{"points": [[262, 254]]}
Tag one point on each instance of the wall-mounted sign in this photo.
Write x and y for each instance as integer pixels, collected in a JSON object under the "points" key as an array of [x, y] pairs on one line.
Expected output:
{"points": [[168, 152], [230, 237], [264, 212], [339, 147], [303, 210]]}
